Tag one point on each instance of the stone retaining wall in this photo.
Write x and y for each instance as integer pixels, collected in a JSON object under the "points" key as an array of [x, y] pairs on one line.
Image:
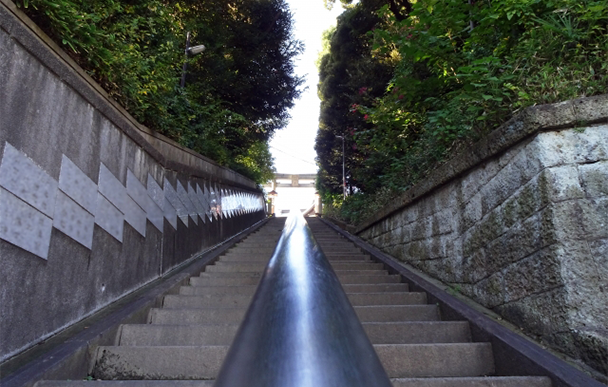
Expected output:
{"points": [[92, 205], [519, 223]]}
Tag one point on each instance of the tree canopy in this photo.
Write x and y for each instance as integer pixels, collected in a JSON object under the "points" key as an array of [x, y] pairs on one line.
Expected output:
{"points": [[410, 82], [348, 75], [238, 92]]}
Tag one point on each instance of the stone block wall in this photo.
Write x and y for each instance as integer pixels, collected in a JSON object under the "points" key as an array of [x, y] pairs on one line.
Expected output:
{"points": [[521, 229], [90, 210]]}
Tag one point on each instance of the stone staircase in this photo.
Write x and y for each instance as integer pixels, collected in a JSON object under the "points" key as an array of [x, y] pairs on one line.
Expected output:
{"points": [[415, 347], [186, 340], [188, 337]]}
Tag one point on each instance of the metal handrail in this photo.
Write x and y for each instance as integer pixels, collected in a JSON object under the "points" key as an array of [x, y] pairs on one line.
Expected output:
{"points": [[300, 329]]}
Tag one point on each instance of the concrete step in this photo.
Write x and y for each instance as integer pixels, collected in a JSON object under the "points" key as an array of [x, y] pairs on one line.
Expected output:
{"points": [[245, 253], [125, 383], [235, 281], [493, 381], [366, 272], [349, 261], [345, 276], [268, 249], [328, 243], [239, 265], [204, 362], [255, 246], [356, 265], [207, 316], [235, 267], [360, 258], [436, 360], [202, 290], [244, 258], [269, 243], [335, 242], [392, 313], [231, 274], [263, 244], [368, 279], [276, 234], [248, 251], [333, 257], [261, 239], [179, 301], [349, 253], [386, 298], [375, 288], [416, 332], [174, 335], [339, 247], [341, 251], [260, 235], [264, 236], [170, 362]]}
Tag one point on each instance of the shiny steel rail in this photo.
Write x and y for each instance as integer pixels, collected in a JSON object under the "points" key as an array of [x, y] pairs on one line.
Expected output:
{"points": [[300, 329]]}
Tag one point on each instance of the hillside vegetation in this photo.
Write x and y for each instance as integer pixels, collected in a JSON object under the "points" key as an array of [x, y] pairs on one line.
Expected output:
{"points": [[237, 92], [408, 83]]}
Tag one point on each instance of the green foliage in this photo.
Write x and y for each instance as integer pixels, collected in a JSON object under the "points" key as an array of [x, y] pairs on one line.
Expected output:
{"points": [[464, 68], [329, 4], [237, 93], [257, 163], [344, 83], [460, 69], [326, 38], [129, 47]]}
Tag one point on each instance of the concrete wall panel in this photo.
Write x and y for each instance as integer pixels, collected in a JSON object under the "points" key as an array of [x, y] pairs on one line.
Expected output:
{"points": [[525, 236], [89, 199]]}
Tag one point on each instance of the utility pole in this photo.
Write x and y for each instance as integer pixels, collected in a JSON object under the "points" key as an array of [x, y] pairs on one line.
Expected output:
{"points": [[189, 51], [343, 171], [182, 83]]}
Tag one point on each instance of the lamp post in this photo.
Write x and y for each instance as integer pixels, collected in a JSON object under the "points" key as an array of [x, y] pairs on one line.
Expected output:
{"points": [[318, 204], [343, 174], [189, 51], [272, 195]]}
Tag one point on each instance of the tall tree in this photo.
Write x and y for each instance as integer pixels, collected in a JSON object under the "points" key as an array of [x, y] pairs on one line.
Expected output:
{"points": [[238, 92], [460, 68], [348, 76], [400, 8], [247, 70], [249, 62]]}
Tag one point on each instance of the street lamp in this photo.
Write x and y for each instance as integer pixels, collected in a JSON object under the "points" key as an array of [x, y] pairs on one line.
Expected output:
{"points": [[343, 174], [194, 50], [272, 195], [318, 204]]}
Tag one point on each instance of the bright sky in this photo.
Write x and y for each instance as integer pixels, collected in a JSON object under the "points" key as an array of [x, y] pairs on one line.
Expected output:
{"points": [[293, 147]]}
